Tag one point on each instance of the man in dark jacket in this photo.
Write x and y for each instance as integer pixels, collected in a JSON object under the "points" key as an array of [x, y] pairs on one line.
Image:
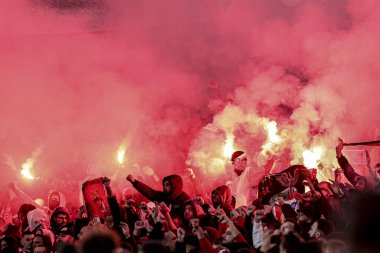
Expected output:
{"points": [[58, 219], [359, 182], [222, 198], [172, 193]]}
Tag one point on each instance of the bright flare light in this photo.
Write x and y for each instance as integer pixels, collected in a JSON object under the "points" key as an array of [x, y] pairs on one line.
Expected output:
{"points": [[272, 139], [271, 127], [229, 147], [25, 172], [311, 158], [120, 154]]}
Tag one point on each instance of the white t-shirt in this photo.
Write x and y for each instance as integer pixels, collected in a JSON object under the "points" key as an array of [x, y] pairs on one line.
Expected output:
{"points": [[245, 187]]}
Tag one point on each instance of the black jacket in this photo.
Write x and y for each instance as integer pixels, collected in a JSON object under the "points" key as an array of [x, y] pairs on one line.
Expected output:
{"points": [[176, 197]]}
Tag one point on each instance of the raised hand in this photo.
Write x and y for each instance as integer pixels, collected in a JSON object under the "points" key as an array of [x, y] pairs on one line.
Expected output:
{"points": [[139, 225], [335, 187], [189, 172], [234, 214], [250, 210], [199, 200], [211, 210], [165, 210], [339, 147], [259, 215], [222, 217], [129, 202], [181, 235], [97, 224], [125, 228], [242, 211], [131, 179], [194, 222], [82, 211], [267, 209], [106, 182]]}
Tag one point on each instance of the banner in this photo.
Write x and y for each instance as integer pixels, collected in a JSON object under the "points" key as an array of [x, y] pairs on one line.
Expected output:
{"points": [[355, 156], [95, 198]]}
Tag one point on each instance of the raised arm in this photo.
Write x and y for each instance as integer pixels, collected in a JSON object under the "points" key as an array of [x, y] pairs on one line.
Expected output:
{"points": [[348, 171], [144, 189]]}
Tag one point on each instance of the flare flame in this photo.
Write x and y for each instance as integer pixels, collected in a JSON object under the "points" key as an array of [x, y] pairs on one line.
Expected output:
{"points": [[26, 167], [313, 157]]}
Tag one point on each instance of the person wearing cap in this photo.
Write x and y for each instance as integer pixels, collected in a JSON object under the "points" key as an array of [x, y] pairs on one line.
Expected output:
{"points": [[245, 183], [65, 237]]}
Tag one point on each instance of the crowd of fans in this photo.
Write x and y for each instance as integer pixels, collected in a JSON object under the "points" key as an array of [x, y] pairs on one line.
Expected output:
{"points": [[273, 214]]}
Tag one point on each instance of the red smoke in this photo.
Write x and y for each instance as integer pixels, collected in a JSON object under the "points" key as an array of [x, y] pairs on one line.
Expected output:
{"points": [[79, 79]]}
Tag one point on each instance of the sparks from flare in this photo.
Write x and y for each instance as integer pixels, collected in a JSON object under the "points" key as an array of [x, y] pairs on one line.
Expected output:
{"points": [[229, 146], [313, 157], [26, 167]]}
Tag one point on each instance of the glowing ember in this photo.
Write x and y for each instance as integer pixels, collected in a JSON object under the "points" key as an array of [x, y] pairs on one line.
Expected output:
{"points": [[26, 167], [312, 158], [120, 154], [229, 147]]}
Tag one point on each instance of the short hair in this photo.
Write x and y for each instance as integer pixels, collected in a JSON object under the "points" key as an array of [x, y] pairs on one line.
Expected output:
{"points": [[26, 233], [25, 209]]}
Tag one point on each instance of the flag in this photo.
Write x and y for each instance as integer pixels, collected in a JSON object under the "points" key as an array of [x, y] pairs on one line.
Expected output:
{"points": [[95, 198]]}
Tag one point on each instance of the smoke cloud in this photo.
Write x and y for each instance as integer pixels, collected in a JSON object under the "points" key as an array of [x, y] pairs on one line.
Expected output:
{"points": [[171, 80]]}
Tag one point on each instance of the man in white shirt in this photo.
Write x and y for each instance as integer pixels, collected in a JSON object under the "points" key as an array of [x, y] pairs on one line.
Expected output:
{"points": [[244, 183]]}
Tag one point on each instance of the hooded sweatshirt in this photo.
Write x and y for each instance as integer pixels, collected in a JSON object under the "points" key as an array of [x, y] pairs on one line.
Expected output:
{"points": [[38, 219], [56, 199], [176, 197], [54, 227], [198, 213], [226, 196]]}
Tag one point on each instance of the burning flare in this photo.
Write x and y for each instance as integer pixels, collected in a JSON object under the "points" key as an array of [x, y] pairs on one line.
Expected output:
{"points": [[26, 167], [312, 158], [229, 146], [273, 138], [120, 154], [271, 127]]}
